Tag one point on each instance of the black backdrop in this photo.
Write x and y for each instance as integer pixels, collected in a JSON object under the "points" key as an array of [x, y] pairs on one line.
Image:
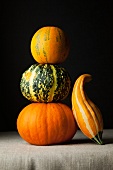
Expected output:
{"points": [[89, 27]]}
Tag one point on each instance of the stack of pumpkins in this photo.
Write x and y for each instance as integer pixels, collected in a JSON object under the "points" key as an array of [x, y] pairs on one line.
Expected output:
{"points": [[46, 120]]}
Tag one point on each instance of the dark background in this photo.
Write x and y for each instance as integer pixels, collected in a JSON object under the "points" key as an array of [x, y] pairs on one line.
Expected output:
{"points": [[89, 27]]}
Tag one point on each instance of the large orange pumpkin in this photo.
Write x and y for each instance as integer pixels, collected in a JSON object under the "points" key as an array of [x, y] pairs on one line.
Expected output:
{"points": [[50, 44], [46, 123]]}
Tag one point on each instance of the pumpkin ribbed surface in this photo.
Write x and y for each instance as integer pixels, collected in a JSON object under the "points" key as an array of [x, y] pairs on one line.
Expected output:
{"points": [[87, 114], [50, 44], [46, 123], [45, 83]]}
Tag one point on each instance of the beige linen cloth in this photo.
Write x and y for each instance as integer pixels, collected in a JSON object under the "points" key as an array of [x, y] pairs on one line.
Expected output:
{"points": [[79, 154]]}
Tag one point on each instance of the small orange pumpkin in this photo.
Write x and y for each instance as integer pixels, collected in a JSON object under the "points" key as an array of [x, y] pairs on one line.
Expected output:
{"points": [[46, 123], [50, 44]]}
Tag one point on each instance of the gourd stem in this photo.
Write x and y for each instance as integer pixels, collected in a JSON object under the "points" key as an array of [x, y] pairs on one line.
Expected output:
{"points": [[98, 138]]}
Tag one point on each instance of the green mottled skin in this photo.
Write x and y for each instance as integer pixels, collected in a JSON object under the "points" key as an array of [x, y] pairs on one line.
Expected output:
{"points": [[44, 78], [63, 82]]}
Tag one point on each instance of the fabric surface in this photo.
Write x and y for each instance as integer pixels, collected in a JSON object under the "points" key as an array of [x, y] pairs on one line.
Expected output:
{"points": [[79, 154]]}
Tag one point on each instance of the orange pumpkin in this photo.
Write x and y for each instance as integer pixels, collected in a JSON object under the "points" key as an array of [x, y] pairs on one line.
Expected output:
{"points": [[46, 123], [50, 44]]}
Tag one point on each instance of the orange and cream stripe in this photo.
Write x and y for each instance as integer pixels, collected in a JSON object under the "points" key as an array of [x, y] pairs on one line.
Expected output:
{"points": [[87, 115]]}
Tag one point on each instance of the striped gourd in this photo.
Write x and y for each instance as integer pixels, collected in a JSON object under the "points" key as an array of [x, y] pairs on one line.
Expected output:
{"points": [[45, 83], [87, 114], [50, 44]]}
